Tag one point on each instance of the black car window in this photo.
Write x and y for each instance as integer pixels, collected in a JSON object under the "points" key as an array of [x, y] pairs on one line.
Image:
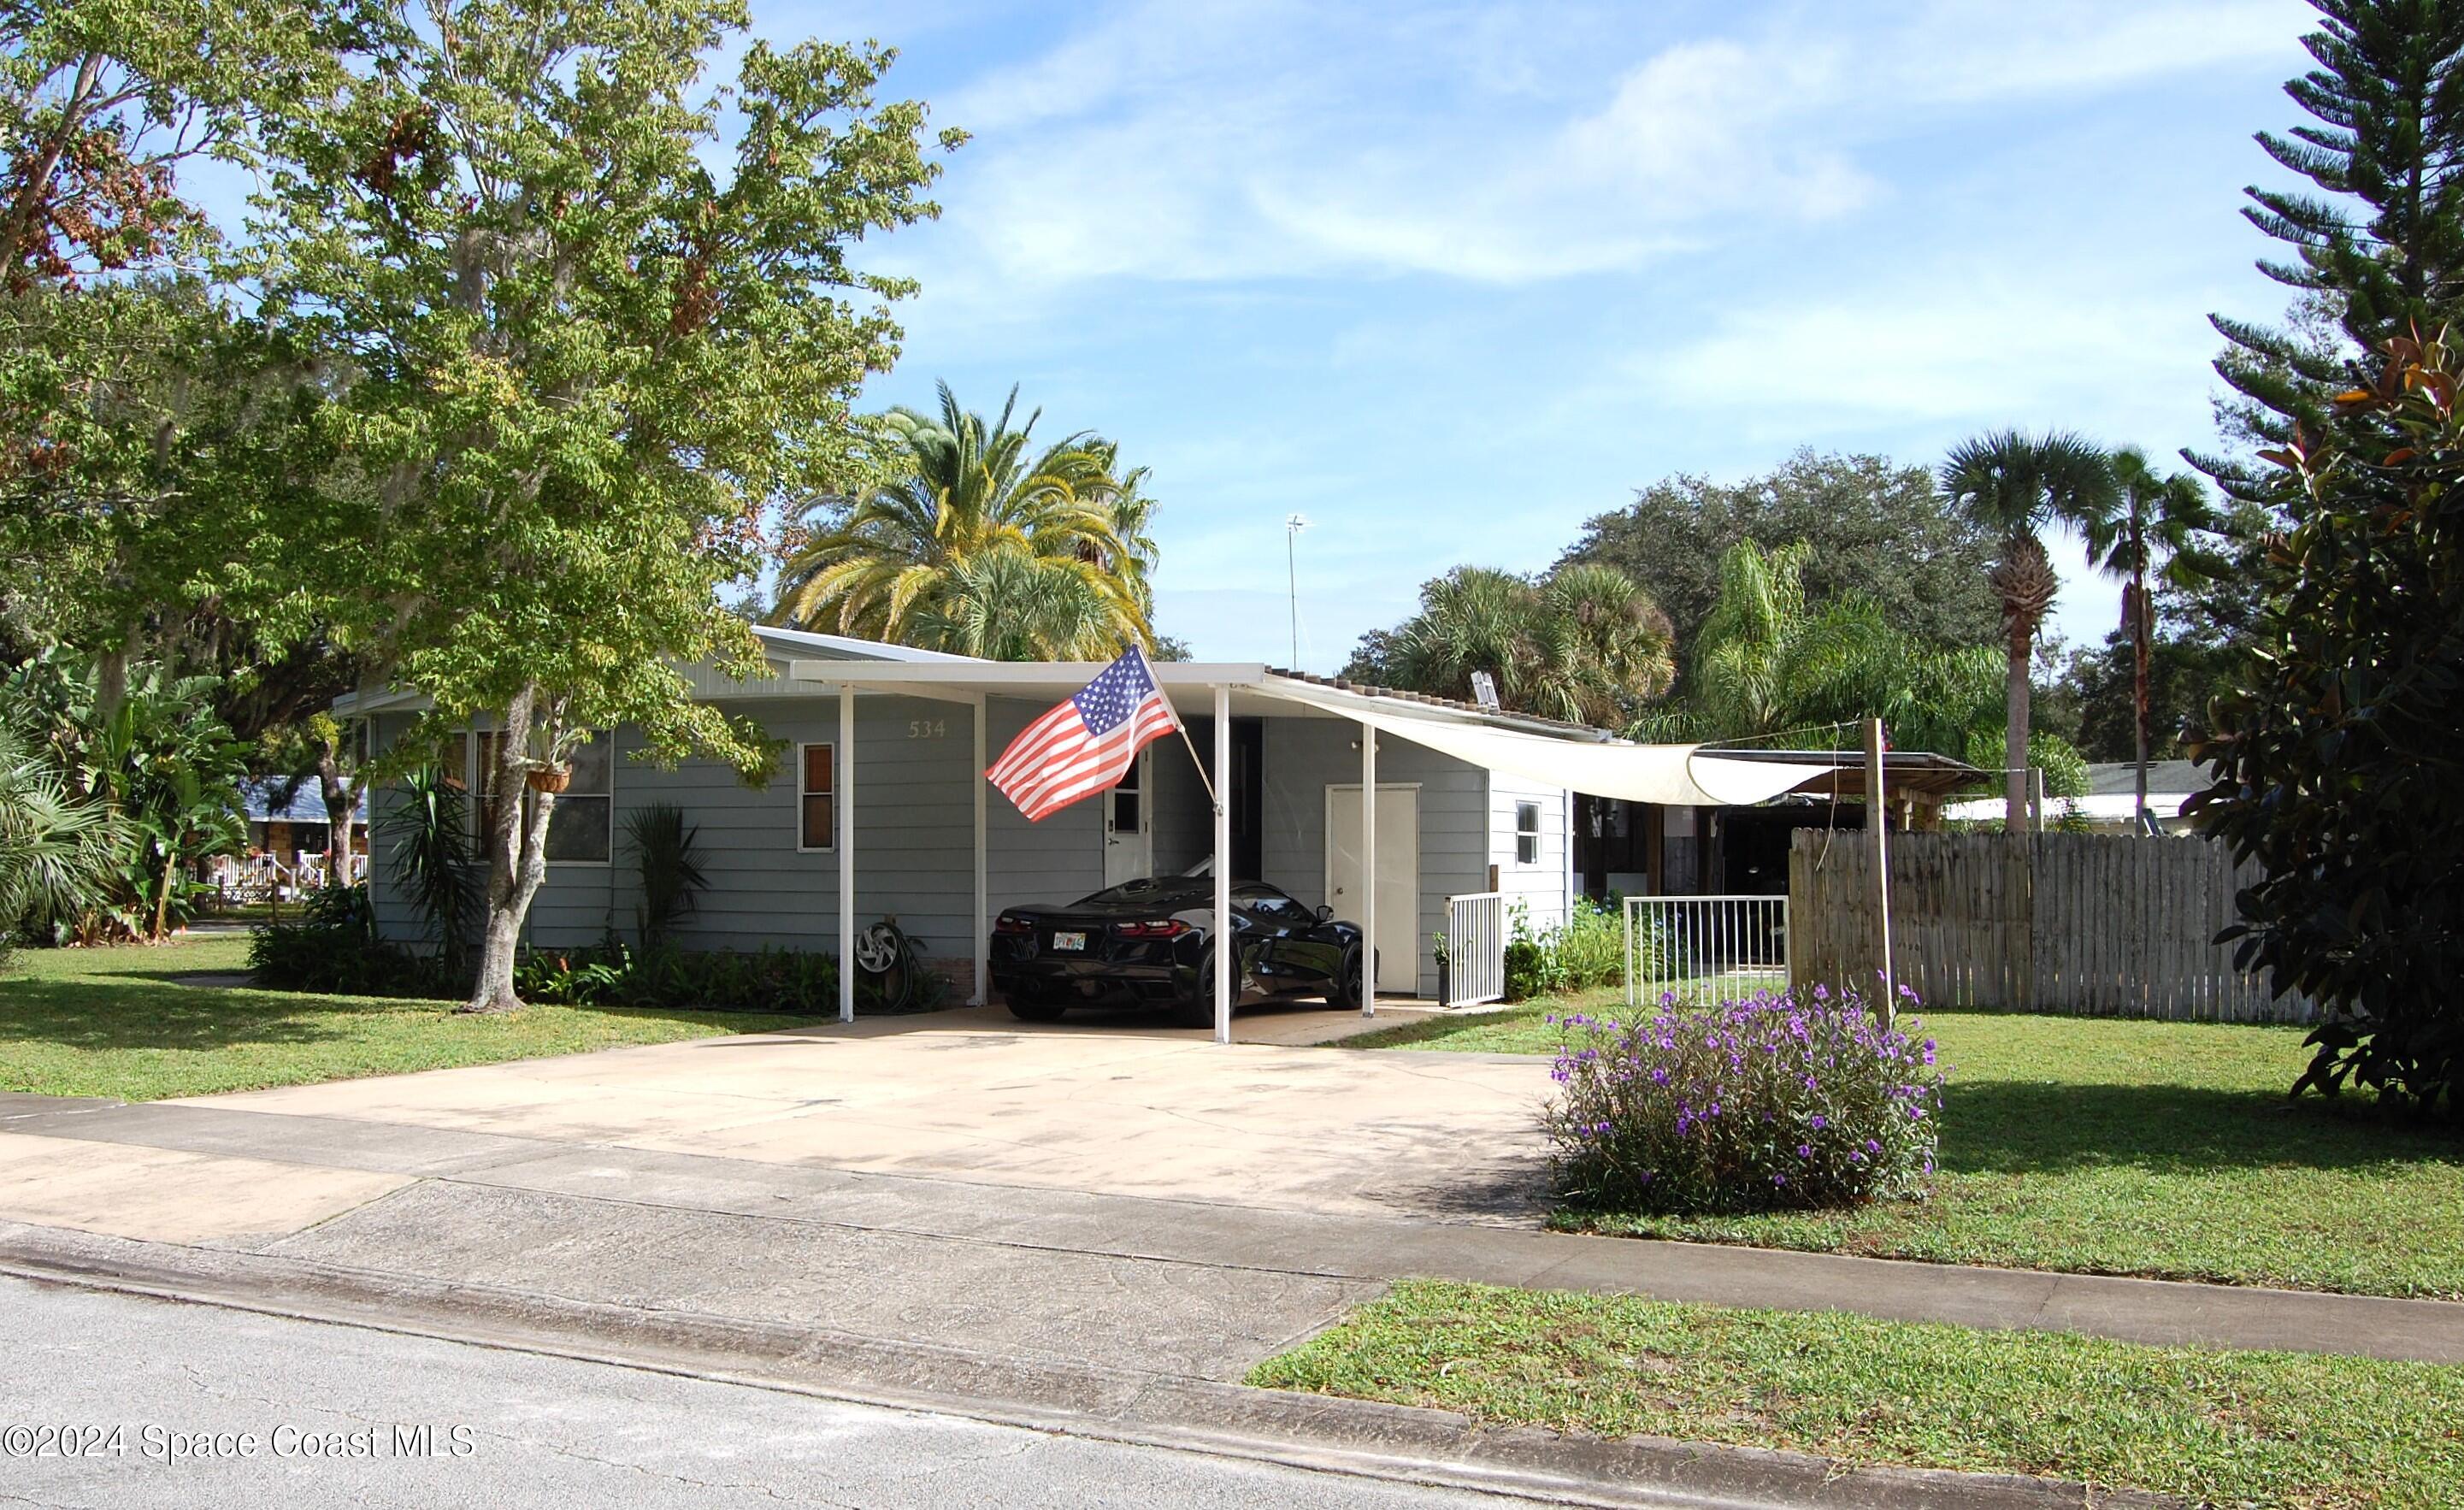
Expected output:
{"points": [[1168, 889], [1270, 902]]}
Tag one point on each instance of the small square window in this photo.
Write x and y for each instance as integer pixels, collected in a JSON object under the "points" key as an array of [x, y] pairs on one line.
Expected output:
{"points": [[817, 798], [1526, 834]]}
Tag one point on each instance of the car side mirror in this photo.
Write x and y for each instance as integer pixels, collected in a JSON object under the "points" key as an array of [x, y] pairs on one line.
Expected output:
{"points": [[1326, 915]]}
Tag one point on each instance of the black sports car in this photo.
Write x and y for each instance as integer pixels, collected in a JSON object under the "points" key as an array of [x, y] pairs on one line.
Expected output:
{"points": [[1149, 942]]}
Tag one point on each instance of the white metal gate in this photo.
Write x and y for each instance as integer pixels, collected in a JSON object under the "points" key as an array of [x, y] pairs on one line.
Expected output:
{"points": [[1703, 950], [1475, 962]]}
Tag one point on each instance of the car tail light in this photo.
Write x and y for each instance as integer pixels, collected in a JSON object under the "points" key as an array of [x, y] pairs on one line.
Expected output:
{"points": [[1167, 928], [1005, 923]]}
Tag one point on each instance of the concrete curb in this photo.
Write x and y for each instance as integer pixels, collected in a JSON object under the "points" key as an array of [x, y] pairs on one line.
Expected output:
{"points": [[1326, 1433]]}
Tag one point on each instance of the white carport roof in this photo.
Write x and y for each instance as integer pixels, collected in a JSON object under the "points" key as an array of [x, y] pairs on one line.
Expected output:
{"points": [[1536, 749]]}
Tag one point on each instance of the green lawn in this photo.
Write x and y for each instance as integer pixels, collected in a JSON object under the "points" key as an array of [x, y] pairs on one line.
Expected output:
{"points": [[2217, 1426], [114, 1022], [2105, 1146]]}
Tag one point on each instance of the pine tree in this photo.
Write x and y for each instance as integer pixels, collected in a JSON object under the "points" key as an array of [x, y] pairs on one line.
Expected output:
{"points": [[2378, 250]]}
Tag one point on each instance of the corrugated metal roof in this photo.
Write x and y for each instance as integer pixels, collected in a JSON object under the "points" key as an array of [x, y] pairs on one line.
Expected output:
{"points": [[307, 805]]}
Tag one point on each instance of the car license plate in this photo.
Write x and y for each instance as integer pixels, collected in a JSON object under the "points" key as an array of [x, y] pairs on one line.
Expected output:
{"points": [[1069, 942]]}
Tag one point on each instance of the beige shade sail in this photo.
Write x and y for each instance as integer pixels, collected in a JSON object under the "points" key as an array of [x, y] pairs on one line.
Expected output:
{"points": [[1678, 775]]}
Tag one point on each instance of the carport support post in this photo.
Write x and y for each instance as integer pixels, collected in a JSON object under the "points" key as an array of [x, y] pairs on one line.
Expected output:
{"points": [[1227, 955], [984, 892], [844, 806], [1368, 871]]}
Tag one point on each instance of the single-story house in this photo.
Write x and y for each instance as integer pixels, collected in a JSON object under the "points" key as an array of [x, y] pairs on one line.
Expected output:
{"points": [[878, 806]]}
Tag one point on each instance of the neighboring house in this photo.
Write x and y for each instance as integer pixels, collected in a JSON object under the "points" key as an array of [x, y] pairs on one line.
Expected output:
{"points": [[287, 830], [2111, 804], [885, 745]]}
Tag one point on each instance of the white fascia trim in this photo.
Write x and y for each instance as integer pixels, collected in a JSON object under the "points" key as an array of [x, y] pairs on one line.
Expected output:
{"points": [[1000, 676], [851, 647]]}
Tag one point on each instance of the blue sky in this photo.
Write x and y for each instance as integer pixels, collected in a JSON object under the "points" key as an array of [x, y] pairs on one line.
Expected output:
{"points": [[1448, 279]]}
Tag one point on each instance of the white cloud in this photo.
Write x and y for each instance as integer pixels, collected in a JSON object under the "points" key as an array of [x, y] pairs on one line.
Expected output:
{"points": [[1931, 354], [1182, 141]]}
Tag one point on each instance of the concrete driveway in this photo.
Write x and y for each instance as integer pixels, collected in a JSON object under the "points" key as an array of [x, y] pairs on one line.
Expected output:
{"points": [[1113, 1106]]}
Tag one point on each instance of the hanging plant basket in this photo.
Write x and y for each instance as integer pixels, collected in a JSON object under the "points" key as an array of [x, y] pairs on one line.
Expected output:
{"points": [[550, 778]]}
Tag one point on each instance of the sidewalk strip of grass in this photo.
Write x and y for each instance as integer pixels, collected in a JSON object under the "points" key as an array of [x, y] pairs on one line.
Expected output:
{"points": [[117, 1023], [2218, 1426], [2104, 1146]]}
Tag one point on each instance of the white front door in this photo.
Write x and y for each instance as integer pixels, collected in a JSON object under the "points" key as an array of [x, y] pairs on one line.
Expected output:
{"points": [[1129, 838], [1398, 875]]}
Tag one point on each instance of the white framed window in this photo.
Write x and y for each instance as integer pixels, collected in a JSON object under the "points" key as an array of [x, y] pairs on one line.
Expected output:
{"points": [[817, 797], [1526, 834], [582, 830]]}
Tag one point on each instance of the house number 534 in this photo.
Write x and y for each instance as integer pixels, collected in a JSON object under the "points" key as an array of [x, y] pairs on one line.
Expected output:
{"points": [[927, 728]]}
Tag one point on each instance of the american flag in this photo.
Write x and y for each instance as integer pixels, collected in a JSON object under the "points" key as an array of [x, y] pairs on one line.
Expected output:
{"points": [[1085, 745]]}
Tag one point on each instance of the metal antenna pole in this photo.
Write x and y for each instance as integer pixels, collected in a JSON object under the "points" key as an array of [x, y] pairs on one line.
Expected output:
{"points": [[1292, 527]]}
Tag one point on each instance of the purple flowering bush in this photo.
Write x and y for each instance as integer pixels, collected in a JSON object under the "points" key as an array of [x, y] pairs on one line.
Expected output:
{"points": [[1774, 1102]]}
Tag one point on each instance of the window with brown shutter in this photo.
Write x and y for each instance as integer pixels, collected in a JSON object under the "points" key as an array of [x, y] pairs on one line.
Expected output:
{"points": [[817, 797]]}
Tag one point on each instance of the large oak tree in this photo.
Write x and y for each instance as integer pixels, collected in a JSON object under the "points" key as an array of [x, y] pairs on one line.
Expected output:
{"points": [[588, 317]]}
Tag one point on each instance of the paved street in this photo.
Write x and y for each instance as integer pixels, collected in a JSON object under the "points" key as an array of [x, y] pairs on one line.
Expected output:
{"points": [[541, 1431]]}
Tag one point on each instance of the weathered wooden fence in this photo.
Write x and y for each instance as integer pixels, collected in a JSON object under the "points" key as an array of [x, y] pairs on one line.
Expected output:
{"points": [[2090, 923]]}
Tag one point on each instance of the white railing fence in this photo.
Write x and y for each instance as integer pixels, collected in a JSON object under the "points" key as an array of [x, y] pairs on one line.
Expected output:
{"points": [[1703, 950], [1475, 962], [262, 877]]}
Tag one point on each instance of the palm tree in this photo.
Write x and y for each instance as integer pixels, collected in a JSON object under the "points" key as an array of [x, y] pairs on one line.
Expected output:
{"points": [[1601, 646], [59, 851], [1767, 661], [975, 541], [2152, 527], [2018, 485], [1583, 644]]}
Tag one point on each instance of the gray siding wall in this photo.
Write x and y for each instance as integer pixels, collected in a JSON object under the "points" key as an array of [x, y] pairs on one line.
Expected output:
{"points": [[1305, 756], [1058, 860], [1185, 824], [1541, 885], [914, 775]]}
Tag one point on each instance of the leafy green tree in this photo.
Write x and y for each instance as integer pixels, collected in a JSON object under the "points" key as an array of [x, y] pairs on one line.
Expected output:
{"points": [[152, 462], [2154, 531], [103, 103], [1770, 662], [978, 543], [2337, 763], [1873, 530], [2017, 486], [158, 757], [138, 416], [588, 315], [2378, 250], [1582, 643]]}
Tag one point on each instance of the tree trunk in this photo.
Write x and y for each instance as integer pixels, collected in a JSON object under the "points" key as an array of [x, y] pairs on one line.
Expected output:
{"points": [[2025, 580], [2014, 733], [163, 899], [110, 681], [2139, 653], [342, 810], [517, 863]]}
